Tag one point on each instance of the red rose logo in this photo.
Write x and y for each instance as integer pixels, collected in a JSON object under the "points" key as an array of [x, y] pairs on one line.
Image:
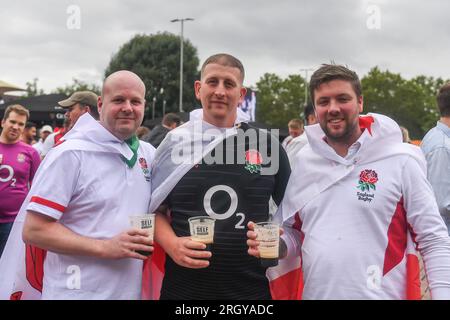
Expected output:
{"points": [[369, 176], [367, 180], [143, 163], [253, 161], [253, 157]]}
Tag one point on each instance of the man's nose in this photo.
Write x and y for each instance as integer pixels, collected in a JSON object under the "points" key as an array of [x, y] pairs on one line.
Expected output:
{"points": [[334, 107], [220, 90], [126, 106]]}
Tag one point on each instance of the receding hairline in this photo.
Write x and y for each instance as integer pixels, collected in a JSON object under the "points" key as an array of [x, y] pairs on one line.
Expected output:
{"points": [[117, 75]]}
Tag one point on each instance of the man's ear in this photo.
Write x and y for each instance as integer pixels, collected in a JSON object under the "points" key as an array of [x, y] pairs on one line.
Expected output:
{"points": [[361, 103], [243, 93], [99, 105], [197, 86]]}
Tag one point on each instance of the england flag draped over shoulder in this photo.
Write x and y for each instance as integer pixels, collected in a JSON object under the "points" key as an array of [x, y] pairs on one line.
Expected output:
{"points": [[248, 106]]}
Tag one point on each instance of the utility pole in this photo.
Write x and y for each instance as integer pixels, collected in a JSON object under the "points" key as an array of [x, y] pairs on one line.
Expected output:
{"points": [[306, 83], [181, 58]]}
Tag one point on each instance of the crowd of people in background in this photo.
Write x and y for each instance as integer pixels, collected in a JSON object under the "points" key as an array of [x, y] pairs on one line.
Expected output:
{"points": [[357, 201]]}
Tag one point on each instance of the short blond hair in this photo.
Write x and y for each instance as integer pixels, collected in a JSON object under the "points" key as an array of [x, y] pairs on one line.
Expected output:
{"points": [[295, 124]]}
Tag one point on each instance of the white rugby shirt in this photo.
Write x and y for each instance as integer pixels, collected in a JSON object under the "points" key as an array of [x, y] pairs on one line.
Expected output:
{"points": [[86, 186]]}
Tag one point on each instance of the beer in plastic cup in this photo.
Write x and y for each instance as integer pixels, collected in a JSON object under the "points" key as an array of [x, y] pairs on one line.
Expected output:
{"points": [[202, 230], [268, 235], [146, 222]]}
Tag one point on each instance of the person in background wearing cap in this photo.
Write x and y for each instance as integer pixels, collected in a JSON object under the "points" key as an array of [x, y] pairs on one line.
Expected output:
{"points": [[79, 206], [43, 134], [76, 105], [18, 164]]}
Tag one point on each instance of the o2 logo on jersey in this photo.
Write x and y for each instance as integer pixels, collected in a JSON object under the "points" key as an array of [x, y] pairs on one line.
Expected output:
{"points": [[231, 210], [9, 174]]}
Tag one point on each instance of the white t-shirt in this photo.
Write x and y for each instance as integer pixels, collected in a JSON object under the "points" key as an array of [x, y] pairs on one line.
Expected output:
{"points": [[38, 146], [48, 144], [92, 193]]}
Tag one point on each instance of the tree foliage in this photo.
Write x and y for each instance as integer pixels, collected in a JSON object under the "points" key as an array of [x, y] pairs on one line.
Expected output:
{"points": [[77, 85], [156, 59], [32, 89], [279, 100], [411, 103]]}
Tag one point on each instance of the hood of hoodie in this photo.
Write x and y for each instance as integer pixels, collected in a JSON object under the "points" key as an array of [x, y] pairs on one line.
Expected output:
{"points": [[309, 178], [381, 138]]}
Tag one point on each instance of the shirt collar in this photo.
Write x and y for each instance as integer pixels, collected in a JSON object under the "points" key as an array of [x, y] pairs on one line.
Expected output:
{"points": [[444, 128]]}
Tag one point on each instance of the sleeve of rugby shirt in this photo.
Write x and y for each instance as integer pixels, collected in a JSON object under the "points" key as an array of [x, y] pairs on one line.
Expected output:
{"points": [[35, 162], [282, 176], [55, 183], [427, 227]]}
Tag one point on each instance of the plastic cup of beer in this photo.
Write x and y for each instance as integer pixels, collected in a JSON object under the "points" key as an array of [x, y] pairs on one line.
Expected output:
{"points": [[145, 222], [268, 235], [202, 230]]}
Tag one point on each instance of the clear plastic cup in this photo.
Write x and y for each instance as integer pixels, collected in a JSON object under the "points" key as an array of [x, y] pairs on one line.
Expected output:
{"points": [[268, 235]]}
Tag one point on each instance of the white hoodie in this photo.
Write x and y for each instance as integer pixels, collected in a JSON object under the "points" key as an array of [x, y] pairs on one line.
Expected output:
{"points": [[360, 216]]}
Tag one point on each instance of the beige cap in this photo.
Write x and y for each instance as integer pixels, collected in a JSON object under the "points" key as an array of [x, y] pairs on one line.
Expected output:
{"points": [[85, 97]]}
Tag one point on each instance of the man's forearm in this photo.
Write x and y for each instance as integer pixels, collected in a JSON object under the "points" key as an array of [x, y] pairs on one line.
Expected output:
{"points": [[164, 233], [51, 235]]}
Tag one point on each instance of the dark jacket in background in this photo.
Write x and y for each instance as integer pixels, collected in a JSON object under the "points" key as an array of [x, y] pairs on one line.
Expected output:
{"points": [[156, 136]]}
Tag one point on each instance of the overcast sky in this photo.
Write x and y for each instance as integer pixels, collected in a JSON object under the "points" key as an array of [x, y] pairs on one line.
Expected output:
{"points": [[410, 37]]}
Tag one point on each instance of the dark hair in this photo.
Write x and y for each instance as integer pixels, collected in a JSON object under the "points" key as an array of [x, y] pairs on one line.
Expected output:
{"points": [[309, 110], [225, 60], [17, 108], [93, 111], [330, 72], [443, 100], [171, 118], [30, 125]]}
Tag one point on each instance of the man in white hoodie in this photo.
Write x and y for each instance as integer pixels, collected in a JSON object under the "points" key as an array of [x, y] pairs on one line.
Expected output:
{"points": [[79, 206], [361, 203]]}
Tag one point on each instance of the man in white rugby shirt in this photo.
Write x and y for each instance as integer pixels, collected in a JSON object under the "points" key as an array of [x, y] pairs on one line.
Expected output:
{"points": [[79, 206], [361, 203]]}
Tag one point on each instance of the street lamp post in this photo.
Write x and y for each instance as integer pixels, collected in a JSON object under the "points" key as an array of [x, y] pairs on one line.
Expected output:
{"points": [[153, 108], [181, 58], [306, 84]]}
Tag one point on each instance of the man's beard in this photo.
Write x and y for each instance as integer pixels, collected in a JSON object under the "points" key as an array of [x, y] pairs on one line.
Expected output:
{"points": [[343, 136]]}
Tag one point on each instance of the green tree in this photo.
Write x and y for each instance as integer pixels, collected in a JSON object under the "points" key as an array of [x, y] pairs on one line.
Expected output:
{"points": [[410, 102], [279, 100], [32, 89], [77, 85], [156, 59]]}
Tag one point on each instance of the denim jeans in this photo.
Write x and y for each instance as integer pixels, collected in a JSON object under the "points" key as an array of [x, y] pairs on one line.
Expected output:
{"points": [[5, 229]]}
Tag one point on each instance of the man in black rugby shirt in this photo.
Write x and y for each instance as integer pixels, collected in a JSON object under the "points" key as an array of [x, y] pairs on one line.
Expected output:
{"points": [[234, 189]]}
